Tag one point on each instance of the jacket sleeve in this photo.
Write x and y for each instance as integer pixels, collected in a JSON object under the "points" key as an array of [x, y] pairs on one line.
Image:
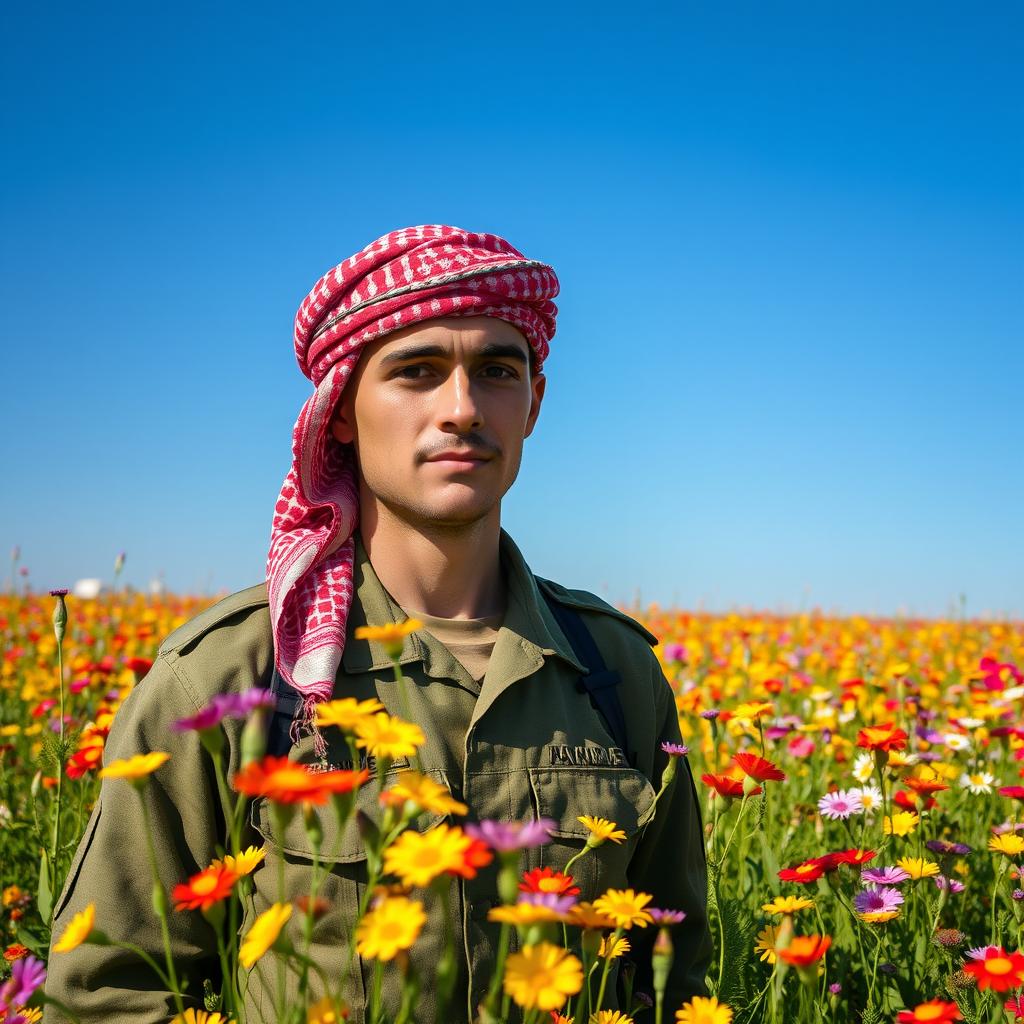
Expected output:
{"points": [[111, 868], [670, 863]]}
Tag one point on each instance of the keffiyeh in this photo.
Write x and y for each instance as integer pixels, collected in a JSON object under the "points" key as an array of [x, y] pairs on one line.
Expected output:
{"points": [[402, 278]]}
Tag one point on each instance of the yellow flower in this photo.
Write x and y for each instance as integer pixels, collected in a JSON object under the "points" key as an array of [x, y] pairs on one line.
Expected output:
{"points": [[191, 1016], [346, 713], [245, 863], [610, 1017], [264, 933], [918, 867], [878, 916], [704, 1011], [542, 976], [1008, 843], [424, 792], [10, 730], [902, 823], [765, 944], [77, 931], [387, 737], [787, 905], [611, 948], [326, 1011], [753, 710], [601, 829], [29, 1014], [625, 907], [417, 858], [394, 924], [391, 636], [524, 914], [136, 768]]}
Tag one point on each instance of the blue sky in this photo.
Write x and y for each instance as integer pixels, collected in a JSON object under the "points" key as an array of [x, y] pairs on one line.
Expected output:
{"points": [[789, 355]]}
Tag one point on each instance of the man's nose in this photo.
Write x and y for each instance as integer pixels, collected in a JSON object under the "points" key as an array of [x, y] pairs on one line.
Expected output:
{"points": [[459, 409]]}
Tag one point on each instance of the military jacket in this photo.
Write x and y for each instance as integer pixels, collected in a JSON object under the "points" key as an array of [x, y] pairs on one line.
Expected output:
{"points": [[530, 744]]}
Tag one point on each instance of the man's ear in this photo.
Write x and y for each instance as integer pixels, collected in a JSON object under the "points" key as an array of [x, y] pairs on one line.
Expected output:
{"points": [[537, 384], [342, 424]]}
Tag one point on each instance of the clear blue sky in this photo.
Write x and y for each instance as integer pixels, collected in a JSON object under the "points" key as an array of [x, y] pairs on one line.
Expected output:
{"points": [[789, 359]]}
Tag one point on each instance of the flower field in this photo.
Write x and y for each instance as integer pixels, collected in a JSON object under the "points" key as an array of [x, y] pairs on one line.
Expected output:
{"points": [[861, 783]]}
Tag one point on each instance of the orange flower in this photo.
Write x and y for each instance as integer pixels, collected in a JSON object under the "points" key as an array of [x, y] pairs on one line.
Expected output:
{"points": [[882, 737], [808, 871], [726, 785], [925, 787], [935, 1011], [476, 855], [548, 880], [201, 891], [287, 782], [758, 768], [805, 950]]}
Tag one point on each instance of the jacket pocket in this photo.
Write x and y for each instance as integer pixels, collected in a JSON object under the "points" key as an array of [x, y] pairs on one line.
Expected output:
{"points": [[564, 794], [76, 863]]}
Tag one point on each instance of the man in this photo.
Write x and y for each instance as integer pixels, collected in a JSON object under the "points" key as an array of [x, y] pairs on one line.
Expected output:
{"points": [[426, 351]]}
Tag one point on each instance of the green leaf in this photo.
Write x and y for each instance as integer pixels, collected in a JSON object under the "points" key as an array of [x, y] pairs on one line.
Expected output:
{"points": [[32, 942], [44, 895]]}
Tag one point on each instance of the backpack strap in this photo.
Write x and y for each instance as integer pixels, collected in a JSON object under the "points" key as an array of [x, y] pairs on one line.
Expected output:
{"points": [[288, 703], [599, 682]]}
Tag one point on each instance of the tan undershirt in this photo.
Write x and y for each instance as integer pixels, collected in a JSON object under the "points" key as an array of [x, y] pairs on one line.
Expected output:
{"points": [[470, 641]]}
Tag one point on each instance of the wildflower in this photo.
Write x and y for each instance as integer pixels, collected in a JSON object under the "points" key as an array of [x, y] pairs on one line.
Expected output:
{"points": [[346, 713], [727, 786], [666, 917], [390, 927], [808, 871], [765, 944], [475, 855], [77, 930], [1014, 792], [204, 889], [508, 836], [948, 938], [863, 767], [758, 768], [1009, 843], [424, 793], [935, 1011], [548, 880], [385, 736], [951, 884], [391, 637], [874, 899], [136, 768], [27, 974], [265, 931], [1015, 1005], [611, 947], [805, 950], [288, 782], [191, 1016], [326, 1011], [542, 976], [704, 1010], [753, 710], [956, 741], [585, 915], [710, 714], [882, 737], [675, 749], [839, 805], [924, 787], [625, 907], [246, 862], [948, 849], [417, 858], [601, 830], [787, 905], [977, 783], [525, 913], [901, 824], [918, 867], [15, 951], [884, 876], [997, 969]]}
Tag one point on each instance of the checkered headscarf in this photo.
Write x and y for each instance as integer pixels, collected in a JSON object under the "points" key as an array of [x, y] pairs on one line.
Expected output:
{"points": [[404, 277]]}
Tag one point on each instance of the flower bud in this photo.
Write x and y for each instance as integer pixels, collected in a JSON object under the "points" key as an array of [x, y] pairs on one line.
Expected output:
{"points": [[60, 614]]}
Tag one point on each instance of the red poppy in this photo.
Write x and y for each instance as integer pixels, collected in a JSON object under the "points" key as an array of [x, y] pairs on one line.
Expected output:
{"points": [[882, 737], [758, 768], [726, 785]]}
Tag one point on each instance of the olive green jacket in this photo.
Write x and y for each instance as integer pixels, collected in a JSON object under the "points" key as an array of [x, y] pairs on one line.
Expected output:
{"points": [[530, 744]]}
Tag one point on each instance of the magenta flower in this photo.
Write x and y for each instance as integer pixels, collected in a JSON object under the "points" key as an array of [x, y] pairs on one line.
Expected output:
{"points": [[840, 805], [884, 876], [505, 836], [983, 952], [877, 898], [27, 974], [675, 749], [552, 900], [666, 917], [951, 884], [226, 705], [675, 652]]}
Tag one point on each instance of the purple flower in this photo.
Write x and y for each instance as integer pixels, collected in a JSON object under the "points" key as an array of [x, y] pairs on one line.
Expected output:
{"points": [[552, 900], [948, 883], [948, 849], [666, 917], [675, 652], [835, 988], [226, 705], [1017, 894], [27, 974], [243, 704], [980, 952], [711, 714], [884, 876], [675, 749], [60, 592], [875, 898], [840, 804], [506, 836], [776, 732]]}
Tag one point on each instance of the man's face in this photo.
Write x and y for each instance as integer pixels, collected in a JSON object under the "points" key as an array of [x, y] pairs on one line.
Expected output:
{"points": [[437, 413]]}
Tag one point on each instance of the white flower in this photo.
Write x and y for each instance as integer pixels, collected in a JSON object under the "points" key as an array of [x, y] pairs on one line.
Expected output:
{"points": [[978, 783], [870, 798], [955, 741], [971, 723], [1013, 693], [863, 767]]}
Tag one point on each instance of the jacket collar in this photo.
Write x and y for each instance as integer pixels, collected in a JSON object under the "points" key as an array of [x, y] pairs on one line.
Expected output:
{"points": [[528, 619]]}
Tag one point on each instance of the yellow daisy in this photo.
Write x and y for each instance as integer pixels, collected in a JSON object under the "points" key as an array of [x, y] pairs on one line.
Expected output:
{"points": [[393, 925], [625, 907], [701, 1010], [765, 944], [878, 916], [611, 948], [264, 933], [542, 976], [787, 905], [346, 713], [424, 792], [391, 637], [918, 867], [601, 829], [245, 863], [417, 858], [902, 823], [753, 710], [191, 1016], [136, 768], [610, 1017], [384, 736], [77, 930], [1008, 843]]}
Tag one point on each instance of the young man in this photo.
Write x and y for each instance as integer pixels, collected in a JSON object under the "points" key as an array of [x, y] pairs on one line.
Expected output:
{"points": [[426, 351]]}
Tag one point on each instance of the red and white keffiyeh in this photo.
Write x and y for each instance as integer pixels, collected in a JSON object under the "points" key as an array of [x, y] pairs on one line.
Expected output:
{"points": [[404, 277]]}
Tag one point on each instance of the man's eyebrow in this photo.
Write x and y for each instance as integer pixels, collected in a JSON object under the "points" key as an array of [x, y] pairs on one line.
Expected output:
{"points": [[490, 350]]}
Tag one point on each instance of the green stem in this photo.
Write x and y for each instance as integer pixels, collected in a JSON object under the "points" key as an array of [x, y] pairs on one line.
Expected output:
{"points": [[616, 935]]}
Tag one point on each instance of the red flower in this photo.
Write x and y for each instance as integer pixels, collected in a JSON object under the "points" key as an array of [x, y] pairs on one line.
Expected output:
{"points": [[289, 782], [808, 871], [1014, 792], [935, 1011], [15, 952], [202, 890], [548, 880], [140, 666], [476, 855], [805, 950], [758, 768], [830, 861], [999, 970], [925, 787], [726, 785], [882, 737]]}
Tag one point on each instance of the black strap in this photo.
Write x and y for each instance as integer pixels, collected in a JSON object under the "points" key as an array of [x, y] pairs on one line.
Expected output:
{"points": [[599, 682], [279, 730]]}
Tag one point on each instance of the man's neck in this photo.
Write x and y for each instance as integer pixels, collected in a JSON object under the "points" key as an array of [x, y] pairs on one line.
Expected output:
{"points": [[448, 572]]}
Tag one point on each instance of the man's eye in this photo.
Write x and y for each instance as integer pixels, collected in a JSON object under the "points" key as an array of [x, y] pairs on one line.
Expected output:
{"points": [[504, 372], [411, 372]]}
